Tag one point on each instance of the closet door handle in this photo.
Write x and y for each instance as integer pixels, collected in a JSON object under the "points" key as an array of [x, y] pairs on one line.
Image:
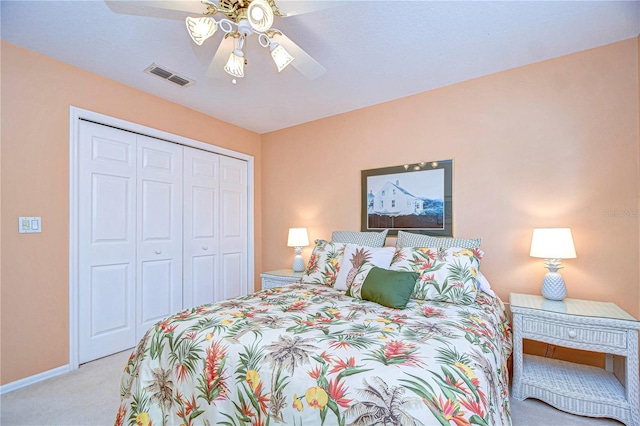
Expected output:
{"points": [[205, 247], [158, 251]]}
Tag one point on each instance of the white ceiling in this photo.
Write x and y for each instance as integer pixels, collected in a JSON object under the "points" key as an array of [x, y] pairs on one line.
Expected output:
{"points": [[374, 51]]}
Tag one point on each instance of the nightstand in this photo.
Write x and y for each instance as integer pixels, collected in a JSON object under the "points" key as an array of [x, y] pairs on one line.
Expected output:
{"points": [[575, 388], [280, 277]]}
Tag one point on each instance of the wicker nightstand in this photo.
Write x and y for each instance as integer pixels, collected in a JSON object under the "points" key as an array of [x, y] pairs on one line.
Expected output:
{"points": [[575, 388], [280, 277]]}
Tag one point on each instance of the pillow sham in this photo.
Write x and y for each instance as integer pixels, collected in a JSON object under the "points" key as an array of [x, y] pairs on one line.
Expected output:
{"points": [[392, 289], [446, 274], [324, 263], [409, 239], [358, 260], [369, 239]]}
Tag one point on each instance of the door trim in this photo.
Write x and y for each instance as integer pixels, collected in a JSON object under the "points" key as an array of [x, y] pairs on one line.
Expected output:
{"points": [[75, 115]]}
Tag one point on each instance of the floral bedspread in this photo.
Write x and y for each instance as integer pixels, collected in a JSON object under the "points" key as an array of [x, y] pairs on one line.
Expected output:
{"points": [[307, 354]]}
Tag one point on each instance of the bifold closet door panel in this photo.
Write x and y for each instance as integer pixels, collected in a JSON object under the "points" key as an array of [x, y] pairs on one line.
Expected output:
{"points": [[201, 227], [161, 227], [107, 241], [159, 231], [233, 228]]}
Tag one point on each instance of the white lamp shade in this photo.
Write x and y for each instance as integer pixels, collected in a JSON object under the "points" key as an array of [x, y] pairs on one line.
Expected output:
{"points": [[280, 56], [201, 28], [298, 237], [552, 243], [235, 64]]}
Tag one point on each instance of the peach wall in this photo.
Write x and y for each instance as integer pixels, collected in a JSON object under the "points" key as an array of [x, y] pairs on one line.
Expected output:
{"points": [[549, 144], [36, 94]]}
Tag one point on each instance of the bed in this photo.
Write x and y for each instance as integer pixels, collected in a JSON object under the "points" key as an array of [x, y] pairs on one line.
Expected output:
{"points": [[313, 353]]}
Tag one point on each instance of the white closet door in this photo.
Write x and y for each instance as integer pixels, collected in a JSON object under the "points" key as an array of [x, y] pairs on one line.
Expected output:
{"points": [[233, 228], [160, 228], [159, 231], [107, 241], [201, 227]]}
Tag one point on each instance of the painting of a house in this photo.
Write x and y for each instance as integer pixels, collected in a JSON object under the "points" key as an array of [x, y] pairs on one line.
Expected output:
{"points": [[394, 200], [408, 199]]}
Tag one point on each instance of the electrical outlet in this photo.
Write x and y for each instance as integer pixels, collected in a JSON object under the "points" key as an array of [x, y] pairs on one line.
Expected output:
{"points": [[29, 225]]}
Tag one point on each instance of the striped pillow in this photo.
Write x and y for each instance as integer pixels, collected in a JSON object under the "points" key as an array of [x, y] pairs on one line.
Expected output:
{"points": [[367, 239], [408, 239]]}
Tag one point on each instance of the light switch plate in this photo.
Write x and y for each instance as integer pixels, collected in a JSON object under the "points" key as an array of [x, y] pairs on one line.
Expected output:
{"points": [[29, 224]]}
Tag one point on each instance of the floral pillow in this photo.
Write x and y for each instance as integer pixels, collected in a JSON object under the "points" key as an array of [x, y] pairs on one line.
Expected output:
{"points": [[446, 274], [324, 263], [358, 261]]}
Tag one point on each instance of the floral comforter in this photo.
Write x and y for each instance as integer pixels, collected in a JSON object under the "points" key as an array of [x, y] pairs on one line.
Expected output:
{"points": [[307, 354]]}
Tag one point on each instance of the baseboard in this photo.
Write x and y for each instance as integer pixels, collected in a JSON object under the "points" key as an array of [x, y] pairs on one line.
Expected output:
{"points": [[10, 387]]}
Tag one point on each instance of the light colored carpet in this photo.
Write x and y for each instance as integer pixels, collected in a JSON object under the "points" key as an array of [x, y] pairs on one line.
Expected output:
{"points": [[90, 396]]}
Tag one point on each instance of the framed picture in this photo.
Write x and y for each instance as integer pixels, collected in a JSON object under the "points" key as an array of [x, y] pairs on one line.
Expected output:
{"points": [[410, 197]]}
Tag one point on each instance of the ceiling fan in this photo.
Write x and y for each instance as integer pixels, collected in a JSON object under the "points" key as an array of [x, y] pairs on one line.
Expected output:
{"points": [[239, 21]]}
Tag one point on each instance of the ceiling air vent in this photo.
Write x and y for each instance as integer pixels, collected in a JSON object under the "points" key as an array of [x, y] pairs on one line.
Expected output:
{"points": [[165, 74]]}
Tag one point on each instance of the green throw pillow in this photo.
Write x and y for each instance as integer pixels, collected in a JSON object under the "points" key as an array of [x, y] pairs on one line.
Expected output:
{"points": [[389, 288]]}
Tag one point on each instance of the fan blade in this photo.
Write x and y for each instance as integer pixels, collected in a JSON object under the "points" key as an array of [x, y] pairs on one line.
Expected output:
{"points": [[160, 9], [216, 68], [298, 7], [302, 61]]}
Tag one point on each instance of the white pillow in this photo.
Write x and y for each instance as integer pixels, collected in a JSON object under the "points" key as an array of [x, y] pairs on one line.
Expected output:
{"points": [[484, 285], [365, 258]]}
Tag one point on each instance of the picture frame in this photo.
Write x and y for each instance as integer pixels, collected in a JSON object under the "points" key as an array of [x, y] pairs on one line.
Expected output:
{"points": [[410, 197]]}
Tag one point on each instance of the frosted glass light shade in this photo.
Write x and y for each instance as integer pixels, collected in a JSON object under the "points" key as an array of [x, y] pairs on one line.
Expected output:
{"points": [[280, 56], [260, 15], [201, 28], [298, 237], [552, 243], [235, 64]]}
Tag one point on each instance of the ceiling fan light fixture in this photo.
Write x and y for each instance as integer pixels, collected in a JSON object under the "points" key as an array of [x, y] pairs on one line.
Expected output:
{"points": [[260, 15], [280, 56], [201, 28], [245, 18], [235, 64]]}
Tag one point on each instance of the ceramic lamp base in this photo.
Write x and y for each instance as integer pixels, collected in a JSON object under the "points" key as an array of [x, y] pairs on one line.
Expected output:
{"points": [[298, 263], [553, 287]]}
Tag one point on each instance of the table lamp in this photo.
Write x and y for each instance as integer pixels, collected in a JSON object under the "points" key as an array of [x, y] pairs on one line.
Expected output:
{"points": [[553, 244], [298, 238]]}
